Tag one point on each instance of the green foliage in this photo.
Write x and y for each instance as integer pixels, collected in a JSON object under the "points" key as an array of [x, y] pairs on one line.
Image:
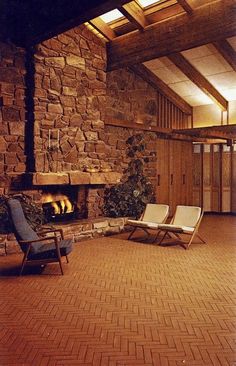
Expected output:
{"points": [[130, 197]]}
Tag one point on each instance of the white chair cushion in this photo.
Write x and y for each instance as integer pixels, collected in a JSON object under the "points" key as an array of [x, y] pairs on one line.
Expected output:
{"points": [[140, 223], [176, 228]]}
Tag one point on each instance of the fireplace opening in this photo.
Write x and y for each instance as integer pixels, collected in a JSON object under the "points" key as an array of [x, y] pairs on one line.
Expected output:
{"points": [[63, 204]]}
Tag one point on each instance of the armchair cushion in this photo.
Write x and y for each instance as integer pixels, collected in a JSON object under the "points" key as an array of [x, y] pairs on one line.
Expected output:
{"points": [[49, 250]]}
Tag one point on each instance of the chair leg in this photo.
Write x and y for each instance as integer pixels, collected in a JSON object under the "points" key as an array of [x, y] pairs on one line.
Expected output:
{"points": [[190, 241], [23, 264], [59, 255], [202, 240], [156, 236], [60, 263], [67, 259], [166, 233], [24, 260], [132, 232]]}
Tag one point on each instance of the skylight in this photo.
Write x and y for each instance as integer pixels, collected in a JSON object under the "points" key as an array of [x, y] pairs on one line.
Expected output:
{"points": [[145, 3], [111, 16]]}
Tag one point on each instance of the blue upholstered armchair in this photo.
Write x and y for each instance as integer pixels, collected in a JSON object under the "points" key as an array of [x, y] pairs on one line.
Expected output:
{"points": [[49, 247]]}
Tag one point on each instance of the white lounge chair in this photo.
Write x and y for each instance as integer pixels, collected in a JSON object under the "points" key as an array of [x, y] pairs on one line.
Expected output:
{"points": [[186, 221], [154, 214]]}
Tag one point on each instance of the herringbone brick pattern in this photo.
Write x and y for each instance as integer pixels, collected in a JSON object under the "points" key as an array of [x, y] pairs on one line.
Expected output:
{"points": [[125, 303]]}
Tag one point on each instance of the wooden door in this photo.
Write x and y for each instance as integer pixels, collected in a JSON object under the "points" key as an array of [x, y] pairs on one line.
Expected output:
{"points": [[226, 179], [233, 179], [162, 179], [197, 175], [207, 177], [186, 174], [216, 179], [175, 176]]}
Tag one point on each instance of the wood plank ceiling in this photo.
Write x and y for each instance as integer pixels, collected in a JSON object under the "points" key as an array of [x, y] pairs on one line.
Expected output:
{"points": [[184, 48]]}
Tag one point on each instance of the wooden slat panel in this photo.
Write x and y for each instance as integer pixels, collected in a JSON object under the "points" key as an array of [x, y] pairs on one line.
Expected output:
{"points": [[207, 178], [162, 180], [197, 175], [226, 179], [233, 183], [216, 182]]}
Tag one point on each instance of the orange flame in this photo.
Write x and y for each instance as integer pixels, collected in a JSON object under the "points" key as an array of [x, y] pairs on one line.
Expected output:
{"points": [[65, 205]]}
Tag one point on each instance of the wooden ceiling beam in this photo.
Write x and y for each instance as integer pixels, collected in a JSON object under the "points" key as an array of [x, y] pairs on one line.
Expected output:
{"points": [[49, 23], [227, 51], [134, 14], [161, 87], [163, 133], [226, 132], [197, 78], [207, 24], [185, 5], [103, 28]]}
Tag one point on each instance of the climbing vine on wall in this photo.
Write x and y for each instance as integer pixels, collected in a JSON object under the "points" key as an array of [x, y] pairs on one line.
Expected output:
{"points": [[130, 197]]}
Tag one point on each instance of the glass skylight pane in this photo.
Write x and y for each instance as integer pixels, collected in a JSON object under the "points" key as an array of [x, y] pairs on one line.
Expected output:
{"points": [[111, 16], [145, 3]]}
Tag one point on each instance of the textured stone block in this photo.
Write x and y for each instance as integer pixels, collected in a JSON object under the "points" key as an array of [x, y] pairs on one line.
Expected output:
{"points": [[100, 224], [55, 61], [78, 177], [50, 178], [116, 222], [76, 61]]}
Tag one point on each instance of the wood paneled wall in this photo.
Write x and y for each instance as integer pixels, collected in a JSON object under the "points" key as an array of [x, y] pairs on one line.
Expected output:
{"points": [[174, 173], [214, 177], [170, 116]]}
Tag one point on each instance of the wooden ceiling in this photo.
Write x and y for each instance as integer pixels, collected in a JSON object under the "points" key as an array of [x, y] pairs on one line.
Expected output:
{"points": [[184, 48]]}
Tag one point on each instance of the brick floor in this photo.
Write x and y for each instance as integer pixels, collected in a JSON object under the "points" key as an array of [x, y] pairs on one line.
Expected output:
{"points": [[125, 303]]}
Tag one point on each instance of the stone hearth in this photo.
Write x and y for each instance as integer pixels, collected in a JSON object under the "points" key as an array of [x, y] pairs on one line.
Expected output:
{"points": [[78, 230]]}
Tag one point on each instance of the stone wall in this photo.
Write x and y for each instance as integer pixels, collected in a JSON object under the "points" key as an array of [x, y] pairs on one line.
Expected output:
{"points": [[130, 98], [12, 114], [69, 97], [116, 138]]}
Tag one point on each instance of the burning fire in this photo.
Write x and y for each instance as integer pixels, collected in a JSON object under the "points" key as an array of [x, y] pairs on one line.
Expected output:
{"points": [[59, 202]]}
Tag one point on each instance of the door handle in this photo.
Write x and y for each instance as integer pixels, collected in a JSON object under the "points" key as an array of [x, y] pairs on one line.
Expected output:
{"points": [[171, 179], [158, 179]]}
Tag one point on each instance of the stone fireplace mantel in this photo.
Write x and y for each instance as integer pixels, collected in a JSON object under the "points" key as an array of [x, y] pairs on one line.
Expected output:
{"points": [[75, 178]]}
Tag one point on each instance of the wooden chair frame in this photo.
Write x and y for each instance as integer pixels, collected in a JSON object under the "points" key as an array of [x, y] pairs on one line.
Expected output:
{"points": [[145, 226], [178, 231], [55, 238]]}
